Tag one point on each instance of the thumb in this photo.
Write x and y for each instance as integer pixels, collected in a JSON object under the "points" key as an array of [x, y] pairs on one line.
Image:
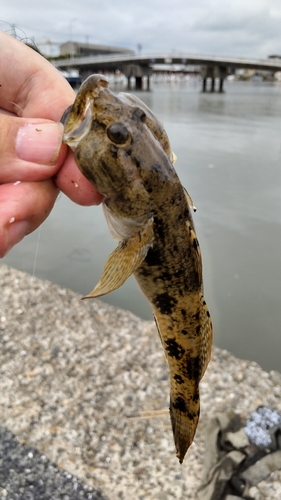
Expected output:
{"points": [[31, 149]]}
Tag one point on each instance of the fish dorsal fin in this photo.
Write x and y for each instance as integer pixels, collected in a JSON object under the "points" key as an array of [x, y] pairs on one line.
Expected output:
{"points": [[124, 260], [189, 200], [173, 158]]}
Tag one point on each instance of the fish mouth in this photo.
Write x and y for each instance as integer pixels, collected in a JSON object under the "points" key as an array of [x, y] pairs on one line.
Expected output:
{"points": [[76, 127]]}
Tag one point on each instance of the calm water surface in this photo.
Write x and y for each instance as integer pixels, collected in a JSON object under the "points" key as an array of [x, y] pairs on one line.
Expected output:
{"points": [[228, 149]]}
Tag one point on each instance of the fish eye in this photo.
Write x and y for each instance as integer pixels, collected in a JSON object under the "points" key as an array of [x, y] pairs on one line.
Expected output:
{"points": [[118, 133]]}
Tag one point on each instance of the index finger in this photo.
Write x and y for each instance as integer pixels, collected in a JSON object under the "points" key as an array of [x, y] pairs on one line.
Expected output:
{"points": [[30, 85]]}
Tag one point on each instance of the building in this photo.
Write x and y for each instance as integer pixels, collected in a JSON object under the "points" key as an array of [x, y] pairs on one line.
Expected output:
{"points": [[48, 48], [77, 49]]}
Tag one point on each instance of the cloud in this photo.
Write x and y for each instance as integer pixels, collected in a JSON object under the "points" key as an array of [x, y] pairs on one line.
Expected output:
{"points": [[236, 27]]}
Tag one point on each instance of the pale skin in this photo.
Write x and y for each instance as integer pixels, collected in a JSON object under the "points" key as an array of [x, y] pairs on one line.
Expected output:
{"points": [[34, 164]]}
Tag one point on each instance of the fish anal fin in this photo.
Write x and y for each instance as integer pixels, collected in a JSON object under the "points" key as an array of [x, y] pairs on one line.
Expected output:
{"points": [[207, 336], [124, 260], [194, 243], [161, 337]]}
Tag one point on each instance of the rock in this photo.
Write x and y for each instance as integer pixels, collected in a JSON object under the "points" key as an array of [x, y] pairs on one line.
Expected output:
{"points": [[86, 385]]}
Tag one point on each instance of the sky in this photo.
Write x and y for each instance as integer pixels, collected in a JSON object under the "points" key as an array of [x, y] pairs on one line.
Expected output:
{"points": [[245, 28]]}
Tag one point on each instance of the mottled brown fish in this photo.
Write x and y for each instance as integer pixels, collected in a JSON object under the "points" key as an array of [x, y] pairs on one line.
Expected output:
{"points": [[123, 149]]}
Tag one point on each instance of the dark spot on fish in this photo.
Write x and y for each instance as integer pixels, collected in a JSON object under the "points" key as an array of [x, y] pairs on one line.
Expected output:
{"points": [[174, 349], [156, 168], [208, 314], [114, 152], [149, 190], [179, 404], [177, 199], [143, 271], [129, 152], [192, 369], [178, 379], [195, 397], [154, 257], [96, 124], [195, 243], [120, 198], [159, 228], [183, 311], [196, 316], [165, 302], [87, 171], [170, 328], [179, 272], [165, 276], [175, 248], [137, 162], [184, 332], [198, 329], [184, 215], [191, 415]]}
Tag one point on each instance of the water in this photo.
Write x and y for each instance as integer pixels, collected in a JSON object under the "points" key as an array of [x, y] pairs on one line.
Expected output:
{"points": [[228, 149]]}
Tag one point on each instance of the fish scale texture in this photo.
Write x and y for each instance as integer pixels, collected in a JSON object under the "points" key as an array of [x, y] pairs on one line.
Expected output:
{"points": [[87, 385]]}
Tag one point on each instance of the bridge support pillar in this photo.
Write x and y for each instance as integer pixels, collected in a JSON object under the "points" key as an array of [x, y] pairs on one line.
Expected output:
{"points": [[214, 73], [138, 72], [148, 83], [138, 82], [129, 83]]}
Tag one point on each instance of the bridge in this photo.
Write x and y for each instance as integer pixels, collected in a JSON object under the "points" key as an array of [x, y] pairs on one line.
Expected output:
{"points": [[213, 67]]}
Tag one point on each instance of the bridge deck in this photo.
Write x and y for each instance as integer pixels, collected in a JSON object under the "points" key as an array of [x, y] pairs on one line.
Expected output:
{"points": [[111, 61]]}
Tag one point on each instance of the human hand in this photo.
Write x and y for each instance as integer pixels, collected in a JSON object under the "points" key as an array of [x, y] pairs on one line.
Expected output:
{"points": [[34, 164]]}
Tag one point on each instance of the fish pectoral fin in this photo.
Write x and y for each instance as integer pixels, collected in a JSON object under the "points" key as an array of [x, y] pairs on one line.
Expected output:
{"points": [[124, 260]]}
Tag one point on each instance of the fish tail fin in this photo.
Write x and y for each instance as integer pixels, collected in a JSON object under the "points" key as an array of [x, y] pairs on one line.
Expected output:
{"points": [[184, 419]]}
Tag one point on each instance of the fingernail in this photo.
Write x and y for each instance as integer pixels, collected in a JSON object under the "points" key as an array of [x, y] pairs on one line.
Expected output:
{"points": [[40, 142], [15, 232]]}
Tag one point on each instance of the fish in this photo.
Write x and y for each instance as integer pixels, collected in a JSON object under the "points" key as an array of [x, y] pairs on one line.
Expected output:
{"points": [[122, 148]]}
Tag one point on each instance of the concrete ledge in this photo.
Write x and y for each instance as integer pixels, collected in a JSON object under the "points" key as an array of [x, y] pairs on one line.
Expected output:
{"points": [[77, 376]]}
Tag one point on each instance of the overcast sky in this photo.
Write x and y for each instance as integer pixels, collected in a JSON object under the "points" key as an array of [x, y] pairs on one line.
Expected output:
{"points": [[226, 27]]}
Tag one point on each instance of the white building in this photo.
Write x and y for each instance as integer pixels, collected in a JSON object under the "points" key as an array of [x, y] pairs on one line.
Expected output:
{"points": [[49, 48]]}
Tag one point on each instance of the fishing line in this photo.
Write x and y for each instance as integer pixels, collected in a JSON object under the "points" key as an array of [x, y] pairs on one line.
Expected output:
{"points": [[36, 251], [34, 266]]}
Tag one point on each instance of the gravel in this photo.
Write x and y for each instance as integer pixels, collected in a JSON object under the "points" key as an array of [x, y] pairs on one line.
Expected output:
{"points": [[86, 386], [26, 474]]}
